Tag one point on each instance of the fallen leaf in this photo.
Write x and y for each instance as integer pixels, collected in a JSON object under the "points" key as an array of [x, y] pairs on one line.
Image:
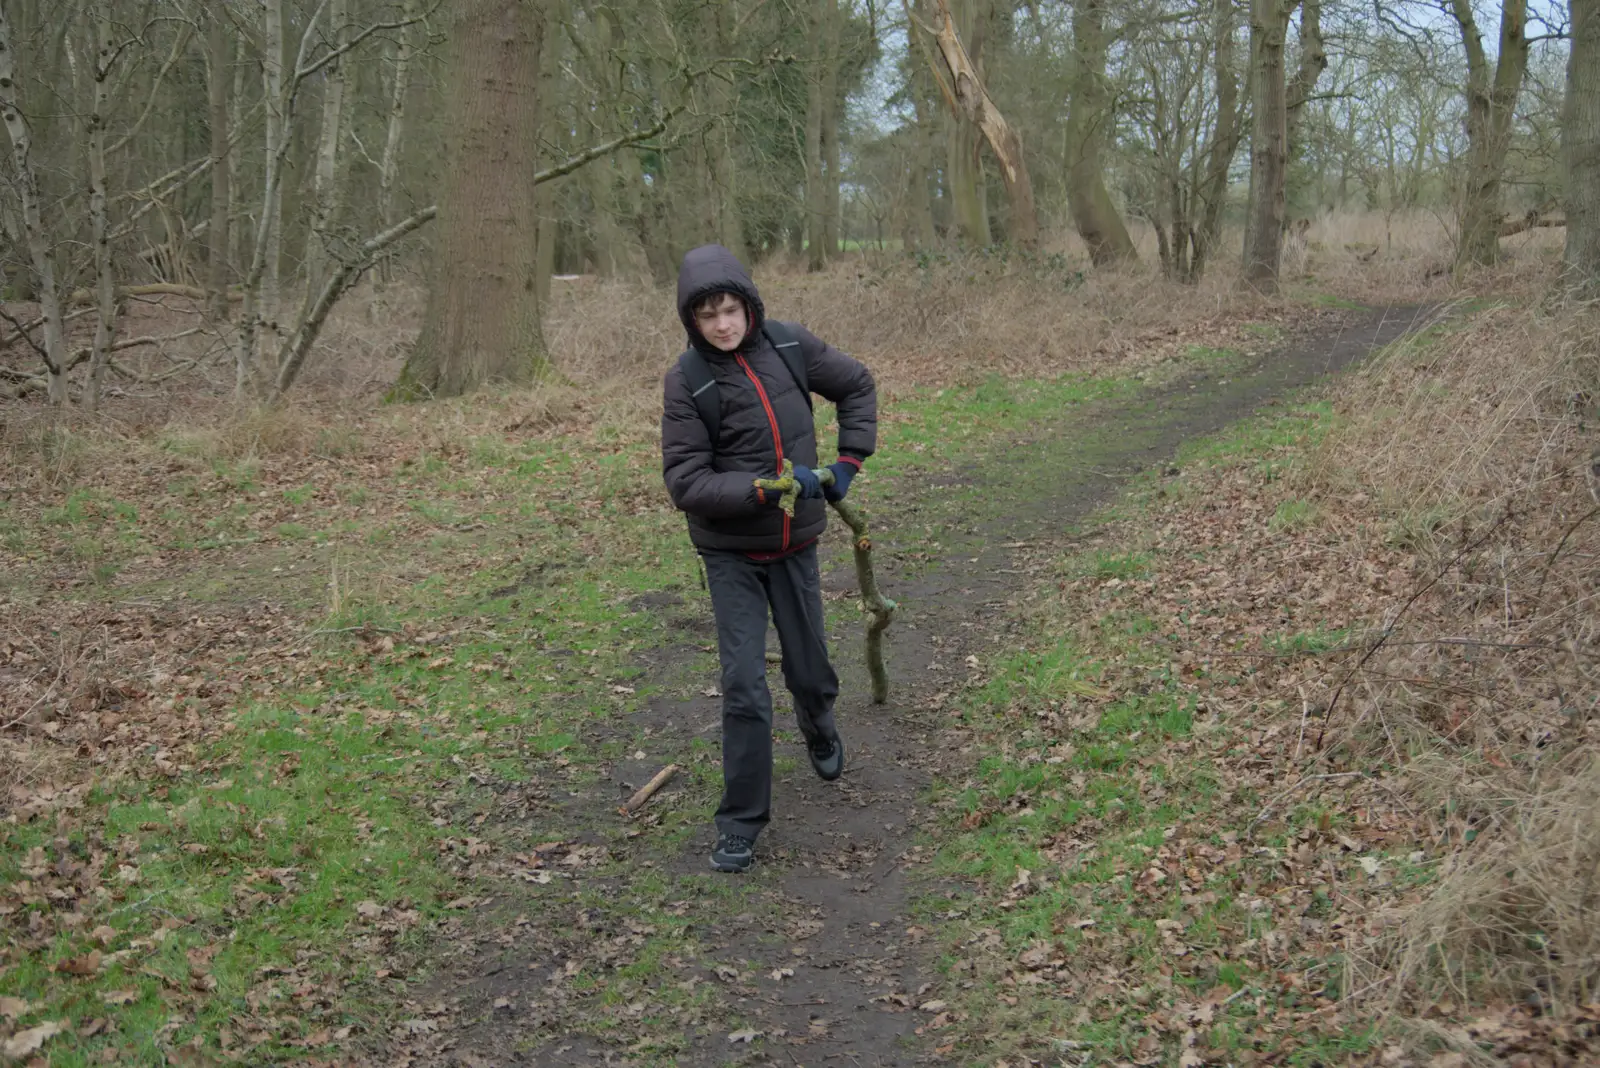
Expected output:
{"points": [[782, 973], [25, 1042], [85, 965], [104, 935], [932, 1006], [14, 1008], [419, 1027], [369, 910], [747, 1035], [120, 997], [1370, 865]]}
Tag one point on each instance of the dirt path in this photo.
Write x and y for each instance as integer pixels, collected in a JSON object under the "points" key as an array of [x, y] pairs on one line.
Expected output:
{"points": [[814, 957]]}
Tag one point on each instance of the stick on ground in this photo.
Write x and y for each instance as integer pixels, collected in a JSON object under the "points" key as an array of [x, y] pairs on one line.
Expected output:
{"points": [[645, 792]]}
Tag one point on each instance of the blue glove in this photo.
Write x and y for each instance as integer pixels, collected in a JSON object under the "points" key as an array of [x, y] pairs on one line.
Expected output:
{"points": [[808, 484], [843, 472]]}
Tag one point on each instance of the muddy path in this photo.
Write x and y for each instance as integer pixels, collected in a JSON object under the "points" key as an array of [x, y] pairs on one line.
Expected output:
{"points": [[814, 958]]}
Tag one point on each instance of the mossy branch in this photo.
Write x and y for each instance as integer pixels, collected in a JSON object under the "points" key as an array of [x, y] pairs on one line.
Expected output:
{"points": [[873, 602]]}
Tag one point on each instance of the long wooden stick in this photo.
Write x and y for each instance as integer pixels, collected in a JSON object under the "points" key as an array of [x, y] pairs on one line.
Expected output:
{"points": [[645, 792], [874, 603]]}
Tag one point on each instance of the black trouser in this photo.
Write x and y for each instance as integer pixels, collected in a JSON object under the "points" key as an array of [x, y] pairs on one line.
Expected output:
{"points": [[741, 592]]}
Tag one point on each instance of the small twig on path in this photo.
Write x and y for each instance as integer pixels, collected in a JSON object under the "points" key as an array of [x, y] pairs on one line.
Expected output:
{"points": [[1305, 714], [645, 792]]}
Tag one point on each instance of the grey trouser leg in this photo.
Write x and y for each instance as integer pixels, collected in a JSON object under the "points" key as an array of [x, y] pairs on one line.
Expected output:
{"points": [[741, 592]]}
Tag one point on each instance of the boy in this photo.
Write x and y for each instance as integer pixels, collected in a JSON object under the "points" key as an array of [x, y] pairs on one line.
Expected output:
{"points": [[756, 556]]}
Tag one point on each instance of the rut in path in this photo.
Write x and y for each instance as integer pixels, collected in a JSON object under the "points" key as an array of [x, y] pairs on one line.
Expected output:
{"points": [[815, 958]]}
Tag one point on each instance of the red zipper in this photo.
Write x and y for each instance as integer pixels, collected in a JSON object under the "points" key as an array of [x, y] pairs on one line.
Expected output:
{"points": [[777, 438]]}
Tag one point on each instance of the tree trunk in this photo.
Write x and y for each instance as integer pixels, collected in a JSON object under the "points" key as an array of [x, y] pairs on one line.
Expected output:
{"points": [[217, 235], [40, 250], [325, 207], [389, 167], [725, 175], [973, 102], [919, 233], [1213, 193], [105, 283], [272, 64], [236, 231], [831, 107], [1580, 150], [481, 323], [816, 192], [1313, 61], [1269, 151], [1088, 114], [1491, 104], [969, 202]]}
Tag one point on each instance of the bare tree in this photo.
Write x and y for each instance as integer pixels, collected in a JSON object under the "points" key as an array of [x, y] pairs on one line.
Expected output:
{"points": [[1269, 147], [1088, 115], [961, 82], [217, 235], [1492, 93], [1580, 146], [38, 241], [105, 58]]}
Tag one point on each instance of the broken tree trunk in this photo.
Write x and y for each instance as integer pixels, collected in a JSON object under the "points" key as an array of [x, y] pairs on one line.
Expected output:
{"points": [[967, 97]]}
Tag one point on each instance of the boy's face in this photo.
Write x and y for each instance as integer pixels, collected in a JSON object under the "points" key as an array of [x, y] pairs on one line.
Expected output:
{"points": [[722, 321]]}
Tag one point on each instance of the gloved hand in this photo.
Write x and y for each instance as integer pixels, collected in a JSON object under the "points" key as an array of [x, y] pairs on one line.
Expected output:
{"points": [[807, 484], [843, 472]]}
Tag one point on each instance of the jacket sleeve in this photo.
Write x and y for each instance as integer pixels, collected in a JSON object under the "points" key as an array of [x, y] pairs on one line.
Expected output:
{"points": [[849, 385], [686, 453]]}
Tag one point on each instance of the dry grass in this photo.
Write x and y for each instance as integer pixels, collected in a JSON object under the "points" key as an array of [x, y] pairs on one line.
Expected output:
{"points": [[1478, 443]]}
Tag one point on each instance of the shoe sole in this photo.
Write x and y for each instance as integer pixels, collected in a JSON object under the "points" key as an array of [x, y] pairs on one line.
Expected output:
{"points": [[734, 869]]}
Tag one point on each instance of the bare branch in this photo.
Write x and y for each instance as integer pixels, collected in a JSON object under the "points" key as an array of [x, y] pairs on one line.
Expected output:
{"points": [[178, 46], [23, 331], [608, 147]]}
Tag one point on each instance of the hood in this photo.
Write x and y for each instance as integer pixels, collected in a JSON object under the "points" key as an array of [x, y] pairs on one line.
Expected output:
{"points": [[713, 269]]}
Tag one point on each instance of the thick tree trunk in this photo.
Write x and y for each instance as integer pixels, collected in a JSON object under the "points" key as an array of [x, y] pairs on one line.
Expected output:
{"points": [[217, 235], [831, 107], [1313, 61], [919, 230], [1213, 193], [105, 282], [972, 102], [1491, 104], [964, 182], [481, 323], [1088, 114], [40, 250], [816, 179], [1580, 150], [1269, 150]]}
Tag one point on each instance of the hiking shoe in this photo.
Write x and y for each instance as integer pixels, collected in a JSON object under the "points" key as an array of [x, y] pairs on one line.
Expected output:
{"points": [[827, 757], [732, 853]]}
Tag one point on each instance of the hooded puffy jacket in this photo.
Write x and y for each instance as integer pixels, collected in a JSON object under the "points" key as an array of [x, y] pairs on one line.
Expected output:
{"points": [[765, 420]]}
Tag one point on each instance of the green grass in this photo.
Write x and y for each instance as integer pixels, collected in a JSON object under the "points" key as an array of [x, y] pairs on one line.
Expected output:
{"points": [[1293, 516], [350, 776], [1082, 779]]}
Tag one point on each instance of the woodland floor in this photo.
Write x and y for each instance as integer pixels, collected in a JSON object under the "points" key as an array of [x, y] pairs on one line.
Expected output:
{"points": [[822, 954], [394, 837]]}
